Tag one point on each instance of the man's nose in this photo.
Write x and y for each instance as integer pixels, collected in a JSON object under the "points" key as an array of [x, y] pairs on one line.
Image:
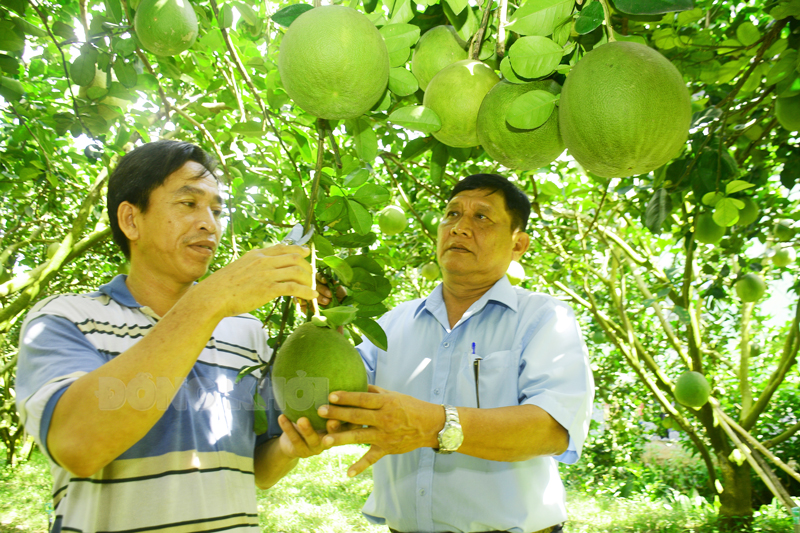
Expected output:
{"points": [[208, 221], [461, 227]]}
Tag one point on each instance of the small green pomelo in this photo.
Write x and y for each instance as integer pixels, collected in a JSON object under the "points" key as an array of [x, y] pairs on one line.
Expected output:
{"points": [[749, 213], [166, 27], [692, 389], [313, 362], [707, 231], [787, 111], [431, 221], [784, 231], [429, 271], [392, 220], [784, 257], [515, 273], [668, 422], [455, 94], [513, 147], [750, 288], [438, 47]]}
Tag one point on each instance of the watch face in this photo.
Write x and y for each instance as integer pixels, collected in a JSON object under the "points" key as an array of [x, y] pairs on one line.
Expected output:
{"points": [[452, 438]]}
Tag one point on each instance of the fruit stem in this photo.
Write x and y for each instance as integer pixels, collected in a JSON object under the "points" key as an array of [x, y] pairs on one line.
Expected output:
{"points": [[607, 16], [478, 39], [314, 304], [501, 30]]}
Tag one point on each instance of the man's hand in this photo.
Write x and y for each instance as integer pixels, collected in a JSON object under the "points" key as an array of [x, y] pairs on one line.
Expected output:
{"points": [[325, 294], [260, 276], [397, 423], [299, 440]]}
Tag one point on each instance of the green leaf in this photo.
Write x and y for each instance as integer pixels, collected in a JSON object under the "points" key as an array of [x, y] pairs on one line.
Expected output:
{"points": [[534, 57], [726, 212], [399, 57], [693, 15], [226, 16], [402, 82], [590, 19], [439, 159], [465, 22], [323, 246], [747, 33], [399, 36], [11, 42], [712, 198], [249, 128], [508, 72], [530, 110], [372, 194], [652, 7], [63, 30], [658, 209], [247, 13], [357, 178], [286, 15], [457, 6], [341, 268], [260, 422], [417, 117], [351, 240], [418, 146], [366, 262], [246, 371], [402, 12], [736, 186], [540, 17], [330, 209], [11, 88], [785, 65], [339, 316], [126, 73], [83, 69], [364, 138], [360, 218], [373, 331]]}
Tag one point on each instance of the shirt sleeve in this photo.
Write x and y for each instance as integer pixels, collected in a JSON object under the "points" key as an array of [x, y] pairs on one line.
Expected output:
{"points": [[555, 375], [53, 353]]}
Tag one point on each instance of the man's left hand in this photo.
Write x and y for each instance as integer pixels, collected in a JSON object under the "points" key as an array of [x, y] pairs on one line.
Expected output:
{"points": [[299, 440], [396, 423]]}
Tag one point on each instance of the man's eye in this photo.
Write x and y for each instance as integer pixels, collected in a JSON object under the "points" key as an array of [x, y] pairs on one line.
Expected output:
{"points": [[188, 204], [217, 213]]}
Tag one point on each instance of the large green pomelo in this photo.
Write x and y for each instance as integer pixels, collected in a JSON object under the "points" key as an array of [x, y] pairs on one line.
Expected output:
{"points": [[333, 62], [513, 147], [392, 220], [750, 288], [787, 111], [166, 27], [708, 231], [692, 389], [455, 94], [624, 110], [438, 47], [313, 362]]}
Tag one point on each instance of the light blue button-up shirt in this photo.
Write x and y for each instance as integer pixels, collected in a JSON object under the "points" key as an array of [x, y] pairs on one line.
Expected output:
{"points": [[532, 353]]}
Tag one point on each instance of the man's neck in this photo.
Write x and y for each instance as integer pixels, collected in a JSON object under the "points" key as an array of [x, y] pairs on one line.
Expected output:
{"points": [[154, 292], [459, 295]]}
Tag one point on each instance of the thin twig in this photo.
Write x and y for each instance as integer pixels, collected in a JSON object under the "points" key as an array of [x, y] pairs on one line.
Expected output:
{"points": [[478, 39], [501, 30], [607, 16]]}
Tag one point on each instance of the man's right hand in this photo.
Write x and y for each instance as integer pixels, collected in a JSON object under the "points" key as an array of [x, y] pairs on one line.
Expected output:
{"points": [[260, 276]]}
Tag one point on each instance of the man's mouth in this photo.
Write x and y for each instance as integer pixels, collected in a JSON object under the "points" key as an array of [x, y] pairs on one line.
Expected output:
{"points": [[203, 248], [458, 249]]}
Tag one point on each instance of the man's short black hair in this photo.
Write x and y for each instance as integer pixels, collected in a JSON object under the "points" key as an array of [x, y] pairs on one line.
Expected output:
{"points": [[517, 203], [143, 170]]}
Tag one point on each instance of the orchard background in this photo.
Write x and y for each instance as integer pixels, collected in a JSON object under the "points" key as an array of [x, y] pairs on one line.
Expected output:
{"points": [[78, 91]]}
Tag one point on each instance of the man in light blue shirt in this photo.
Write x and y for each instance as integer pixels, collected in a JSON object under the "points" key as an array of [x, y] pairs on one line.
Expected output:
{"points": [[495, 373]]}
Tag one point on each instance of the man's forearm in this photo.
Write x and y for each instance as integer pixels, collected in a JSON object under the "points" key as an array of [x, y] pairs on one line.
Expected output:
{"points": [[514, 433], [271, 464], [83, 436]]}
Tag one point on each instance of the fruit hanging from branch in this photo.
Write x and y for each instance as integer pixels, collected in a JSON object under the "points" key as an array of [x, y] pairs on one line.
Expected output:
{"points": [[166, 27]]}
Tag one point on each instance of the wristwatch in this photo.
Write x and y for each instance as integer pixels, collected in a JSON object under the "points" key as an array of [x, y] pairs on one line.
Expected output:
{"points": [[451, 436]]}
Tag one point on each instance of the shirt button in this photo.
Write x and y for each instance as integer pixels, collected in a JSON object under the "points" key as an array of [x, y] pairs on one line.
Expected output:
{"points": [[446, 344], [422, 492], [436, 392]]}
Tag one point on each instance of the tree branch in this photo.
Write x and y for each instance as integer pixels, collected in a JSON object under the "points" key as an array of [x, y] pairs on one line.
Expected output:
{"points": [[477, 41], [501, 30], [744, 361], [782, 437]]}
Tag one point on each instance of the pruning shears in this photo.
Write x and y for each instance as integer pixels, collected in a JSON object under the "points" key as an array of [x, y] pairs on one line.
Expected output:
{"points": [[295, 235]]}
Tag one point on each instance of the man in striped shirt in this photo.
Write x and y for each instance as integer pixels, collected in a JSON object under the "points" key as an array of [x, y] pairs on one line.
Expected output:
{"points": [[131, 391]]}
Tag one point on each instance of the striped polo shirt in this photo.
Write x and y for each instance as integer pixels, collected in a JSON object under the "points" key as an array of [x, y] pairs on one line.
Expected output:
{"points": [[193, 471]]}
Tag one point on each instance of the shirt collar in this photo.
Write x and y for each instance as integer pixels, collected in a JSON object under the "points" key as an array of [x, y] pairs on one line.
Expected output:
{"points": [[502, 292], [118, 291]]}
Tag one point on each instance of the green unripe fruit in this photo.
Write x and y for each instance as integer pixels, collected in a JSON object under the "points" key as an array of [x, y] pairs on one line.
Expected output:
{"points": [[787, 111], [708, 231], [437, 48], [431, 221], [784, 231], [668, 423], [392, 220], [515, 273], [429, 271], [166, 27], [749, 213], [750, 288], [692, 389], [313, 362], [784, 257]]}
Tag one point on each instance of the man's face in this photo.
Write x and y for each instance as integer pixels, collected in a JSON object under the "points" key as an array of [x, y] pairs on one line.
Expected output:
{"points": [[177, 237], [476, 243]]}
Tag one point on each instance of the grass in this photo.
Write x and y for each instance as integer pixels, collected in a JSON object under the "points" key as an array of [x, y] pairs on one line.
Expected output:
{"points": [[317, 496]]}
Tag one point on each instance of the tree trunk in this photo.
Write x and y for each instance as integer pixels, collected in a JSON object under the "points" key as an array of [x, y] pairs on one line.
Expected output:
{"points": [[736, 512]]}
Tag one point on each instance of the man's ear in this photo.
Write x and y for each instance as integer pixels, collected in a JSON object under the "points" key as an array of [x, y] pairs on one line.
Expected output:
{"points": [[521, 242], [126, 216]]}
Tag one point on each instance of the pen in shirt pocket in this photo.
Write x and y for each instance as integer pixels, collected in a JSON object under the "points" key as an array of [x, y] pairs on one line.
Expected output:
{"points": [[476, 367]]}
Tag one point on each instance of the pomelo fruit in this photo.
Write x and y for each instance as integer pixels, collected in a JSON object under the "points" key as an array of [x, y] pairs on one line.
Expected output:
{"points": [[455, 94], [513, 147], [313, 362], [392, 220], [749, 213], [333, 62], [784, 231], [787, 111], [431, 221], [750, 288], [667, 422], [166, 27], [784, 257], [515, 273], [692, 389], [438, 47], [624, 110], [100, 80], [429, 271], [707, 231]]}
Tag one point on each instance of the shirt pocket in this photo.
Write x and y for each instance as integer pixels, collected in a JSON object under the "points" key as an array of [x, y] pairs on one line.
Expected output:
{"points": [[497, 378]]}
